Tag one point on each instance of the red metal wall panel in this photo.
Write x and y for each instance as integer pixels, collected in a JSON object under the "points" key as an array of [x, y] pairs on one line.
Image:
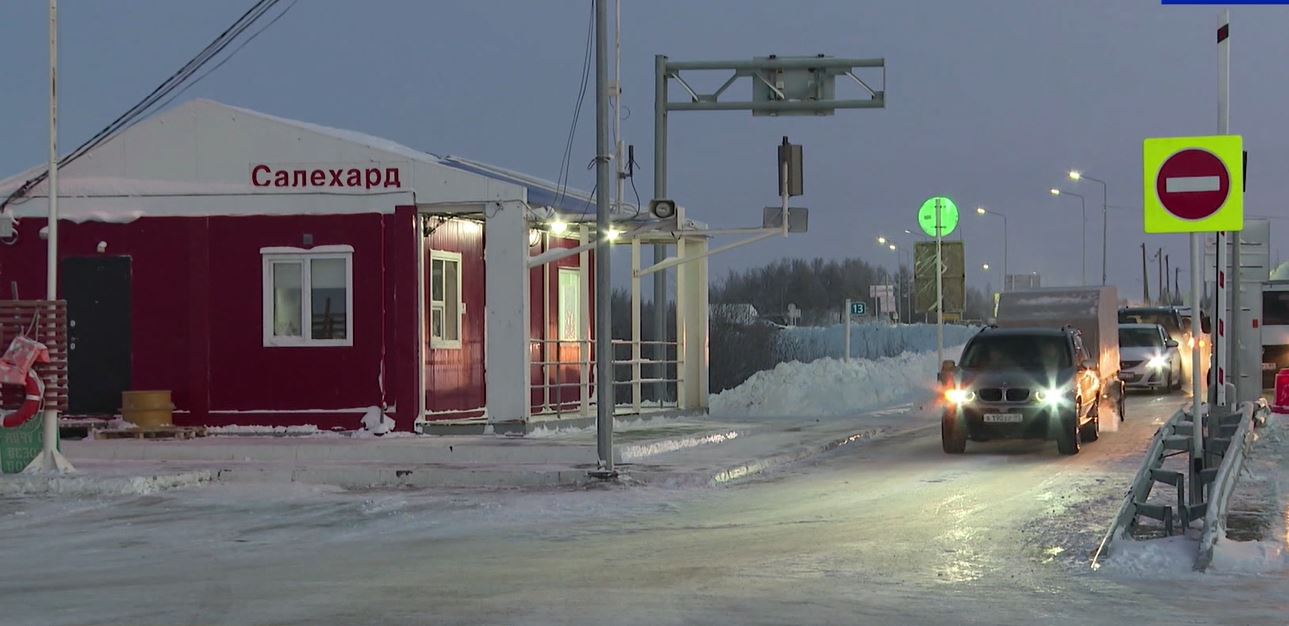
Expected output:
{"points": [[197, 309], [454, 377]]}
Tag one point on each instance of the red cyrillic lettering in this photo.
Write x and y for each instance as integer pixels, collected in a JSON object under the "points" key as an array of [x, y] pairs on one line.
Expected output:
{"points": [[370, 181], [391, 177], [299, 178], [335, 178], [317, 178], [282, 178], [255, 173], [355, 178]]}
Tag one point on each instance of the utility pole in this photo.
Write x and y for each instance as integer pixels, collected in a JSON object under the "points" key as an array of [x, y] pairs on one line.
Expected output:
{"points": [[1230, 364], [1145, 277], [50, 459], [1163, 282], [603, 304], [659, 249]]}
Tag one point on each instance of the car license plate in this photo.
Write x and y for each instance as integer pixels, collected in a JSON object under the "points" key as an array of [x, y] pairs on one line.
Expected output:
{"points": [[1266, 367], [1004, 418]]}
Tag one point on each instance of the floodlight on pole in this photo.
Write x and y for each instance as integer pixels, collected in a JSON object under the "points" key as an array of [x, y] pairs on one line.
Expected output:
{"points": [[983, 211], [1105, 216], [1083, 228]]}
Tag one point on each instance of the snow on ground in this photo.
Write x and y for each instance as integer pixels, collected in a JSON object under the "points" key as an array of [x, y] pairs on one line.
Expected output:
{"points": [[867, 341], [831, 387]]}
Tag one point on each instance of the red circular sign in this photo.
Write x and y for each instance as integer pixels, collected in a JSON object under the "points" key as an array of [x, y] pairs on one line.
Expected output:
{"points": [[1192, 184]]}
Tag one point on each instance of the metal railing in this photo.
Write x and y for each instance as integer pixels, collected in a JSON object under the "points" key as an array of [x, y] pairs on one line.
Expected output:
{"points": [[1228, 437], [549, 375], [1237, 435]]}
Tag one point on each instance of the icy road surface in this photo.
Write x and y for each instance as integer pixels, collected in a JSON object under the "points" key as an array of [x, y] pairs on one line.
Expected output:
{"points": [[890, 531]]}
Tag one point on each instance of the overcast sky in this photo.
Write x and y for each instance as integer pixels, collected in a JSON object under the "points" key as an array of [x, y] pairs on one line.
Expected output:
{"points": [[988, 101]]}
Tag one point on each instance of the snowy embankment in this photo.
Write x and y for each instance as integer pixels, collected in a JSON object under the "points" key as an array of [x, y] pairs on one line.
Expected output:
{"points": [[832, 387], [867, 341]]}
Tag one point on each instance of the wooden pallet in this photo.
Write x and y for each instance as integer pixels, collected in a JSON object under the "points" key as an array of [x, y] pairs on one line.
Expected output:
{"points": [[152, 432]]}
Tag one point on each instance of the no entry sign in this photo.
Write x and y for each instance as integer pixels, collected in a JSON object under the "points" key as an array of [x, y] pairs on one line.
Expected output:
{"points": [[1193, 184]]}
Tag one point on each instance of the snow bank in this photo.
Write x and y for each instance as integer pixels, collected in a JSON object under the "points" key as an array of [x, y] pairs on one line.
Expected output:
{"points": [[1167, 557], [1249, 557], [92, 485], [831, 387], [867, 341]]}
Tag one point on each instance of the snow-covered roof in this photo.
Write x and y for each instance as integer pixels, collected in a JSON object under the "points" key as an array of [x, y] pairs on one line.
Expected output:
{"points": [[208, 158]]}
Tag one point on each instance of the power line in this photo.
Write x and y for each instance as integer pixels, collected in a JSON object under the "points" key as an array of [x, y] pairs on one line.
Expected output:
{"points": [[168, 86], [561, 182]]}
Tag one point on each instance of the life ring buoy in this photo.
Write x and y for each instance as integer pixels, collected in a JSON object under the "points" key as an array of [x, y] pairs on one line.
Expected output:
{"points": [[35, 397]]}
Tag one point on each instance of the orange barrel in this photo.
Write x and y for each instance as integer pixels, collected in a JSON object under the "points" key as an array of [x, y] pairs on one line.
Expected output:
{"points": [[147, 408], [1281, 404]]}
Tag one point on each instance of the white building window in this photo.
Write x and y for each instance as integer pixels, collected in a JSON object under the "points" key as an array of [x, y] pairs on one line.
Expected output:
{"points": [[308, 296], [446, 306], [570, 304]]}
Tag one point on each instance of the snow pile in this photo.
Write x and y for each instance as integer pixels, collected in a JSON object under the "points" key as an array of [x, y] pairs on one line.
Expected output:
{"points": [[375, 423], [93, 485], [867, 341], [1249, 557], [1167, 557], [830, 387]]}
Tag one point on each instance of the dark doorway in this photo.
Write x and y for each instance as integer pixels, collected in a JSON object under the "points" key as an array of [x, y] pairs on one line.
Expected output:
{"points": [[97, 290]]}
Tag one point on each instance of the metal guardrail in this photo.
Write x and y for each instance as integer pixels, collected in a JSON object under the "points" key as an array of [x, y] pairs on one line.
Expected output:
{"points": [[1229, 436], [1140, 487], [1228, 472]]}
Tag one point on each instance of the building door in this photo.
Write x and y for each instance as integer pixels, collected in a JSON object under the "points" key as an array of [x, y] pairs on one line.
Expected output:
{"points": [[97, 290]]}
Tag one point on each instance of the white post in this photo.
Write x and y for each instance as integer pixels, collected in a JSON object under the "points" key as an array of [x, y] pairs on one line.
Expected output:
{"points": [[545, 336], [509, 373], [845, 318], [691, 310], [635, 325], [1197, 367], [682, 336], [939, 289], [1226, 330], [50, 458], [584, 328]]}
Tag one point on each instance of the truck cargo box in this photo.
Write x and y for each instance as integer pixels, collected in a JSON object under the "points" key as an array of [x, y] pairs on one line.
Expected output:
{"points": [[1090, 310]]}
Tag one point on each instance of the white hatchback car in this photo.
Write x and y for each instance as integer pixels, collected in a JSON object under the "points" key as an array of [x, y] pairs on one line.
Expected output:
{"points": [[1148, 359]]}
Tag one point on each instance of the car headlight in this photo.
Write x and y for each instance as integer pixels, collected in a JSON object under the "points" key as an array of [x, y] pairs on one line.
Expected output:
{"points": [[1158, 362], [959, 396], [1052, 396]]}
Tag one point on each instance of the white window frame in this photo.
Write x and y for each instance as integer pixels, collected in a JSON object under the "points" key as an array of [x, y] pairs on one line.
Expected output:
{"points": [[272, 255], [437, 343]]}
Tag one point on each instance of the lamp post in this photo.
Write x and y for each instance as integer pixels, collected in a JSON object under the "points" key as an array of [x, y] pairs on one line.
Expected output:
{"points": [[889, 245], [1076, 175], [983, 211], [1083, 228]]}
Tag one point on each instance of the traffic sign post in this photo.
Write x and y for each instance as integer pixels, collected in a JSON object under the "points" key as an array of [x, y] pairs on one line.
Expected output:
{"points": [[938, 217], [1194, 185], [849, 309]]}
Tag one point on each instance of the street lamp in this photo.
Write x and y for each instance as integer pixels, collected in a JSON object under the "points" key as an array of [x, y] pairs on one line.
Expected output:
{"points": [[985, 267], [1076, 175], [983, 211], [1083, 228], [886, 243]]}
